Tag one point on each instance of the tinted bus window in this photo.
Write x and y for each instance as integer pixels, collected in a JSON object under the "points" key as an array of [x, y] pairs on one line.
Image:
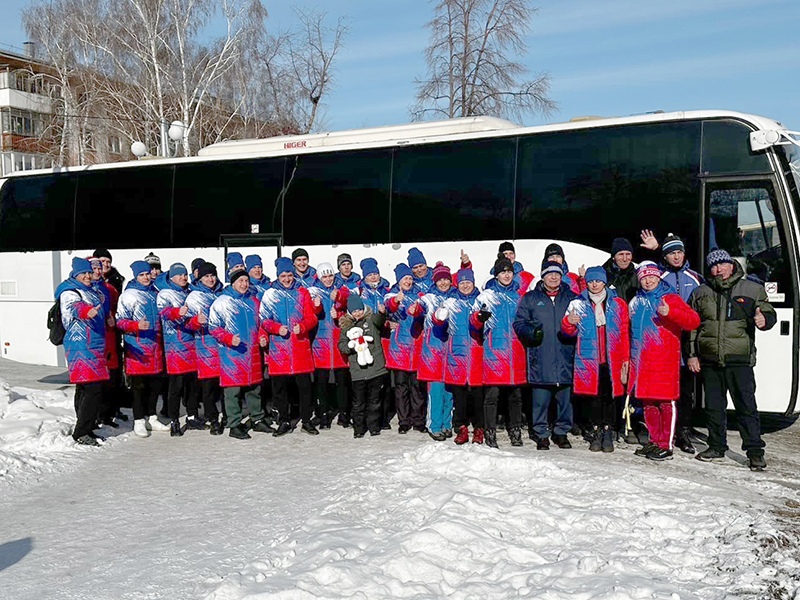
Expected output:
{"points": [[457, 191], [726, 150], [36, 213], [124, 208], [592, 186], [225, 197], [338, 198]]}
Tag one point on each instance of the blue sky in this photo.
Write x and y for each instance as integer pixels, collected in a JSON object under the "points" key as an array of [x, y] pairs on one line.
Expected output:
{"points": [[608, 58]]}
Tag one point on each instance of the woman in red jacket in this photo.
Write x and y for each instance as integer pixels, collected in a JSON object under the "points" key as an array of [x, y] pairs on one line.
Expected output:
{"points": [[658, 316]]}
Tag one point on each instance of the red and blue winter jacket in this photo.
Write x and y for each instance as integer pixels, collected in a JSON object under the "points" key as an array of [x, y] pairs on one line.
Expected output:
{"points": [[233, 314], [178, 336], [614, 338], [464, 353], [503, 354], [433, 349], [352, 283], [325, 336], [259, 286], [656, 343], [288, 354], [406, 337], [110, 300], [85, 337], [372, 297], [521, 277], [206, 346], [144, 350], [308, 278]]}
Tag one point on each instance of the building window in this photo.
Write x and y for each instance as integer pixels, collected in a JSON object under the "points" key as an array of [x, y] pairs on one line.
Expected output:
{"points": [[89, 140], [114, 144]]}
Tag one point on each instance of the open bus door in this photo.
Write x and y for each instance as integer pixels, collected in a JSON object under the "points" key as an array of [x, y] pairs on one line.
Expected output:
{"points": [[744, 216]]}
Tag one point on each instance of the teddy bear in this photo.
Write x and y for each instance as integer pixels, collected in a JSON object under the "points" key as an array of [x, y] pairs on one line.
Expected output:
{"points": [[359, 342]]}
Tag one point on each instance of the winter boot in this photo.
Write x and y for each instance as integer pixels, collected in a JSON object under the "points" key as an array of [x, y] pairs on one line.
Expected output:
{"points": [[175, 429], [121, 416], [646, 449], [490, 438], [262, 427], [660, 454], [87, 440], [403, 429], [155, 425], [448, 433], [140, 429], [325, 421], [358, 434], [757, 462], [375, 432], [463, 435], [216, 427], [561, 441], [630, 438], [239, 432], [195, 422], [596, 443], [710, 454], [439, 436], [477, 436], [543, 443], [607, 443], [515, 436], [309, 428], [284, 427], [343, 421], [683, 441]]}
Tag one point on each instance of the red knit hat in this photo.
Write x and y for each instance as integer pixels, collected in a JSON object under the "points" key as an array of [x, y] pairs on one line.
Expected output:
{"points": [[440, 271], [648, 268]]}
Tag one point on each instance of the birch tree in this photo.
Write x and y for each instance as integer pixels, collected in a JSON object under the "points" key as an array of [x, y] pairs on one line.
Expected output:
{"points": [[474, 63]]}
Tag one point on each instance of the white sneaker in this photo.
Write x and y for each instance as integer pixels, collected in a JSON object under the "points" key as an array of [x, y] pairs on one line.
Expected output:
{"points": [[140, 428], [155, 424]]}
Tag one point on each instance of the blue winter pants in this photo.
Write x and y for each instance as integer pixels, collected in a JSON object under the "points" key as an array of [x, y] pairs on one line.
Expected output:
{"points": [[440, 407], [543, 395]]}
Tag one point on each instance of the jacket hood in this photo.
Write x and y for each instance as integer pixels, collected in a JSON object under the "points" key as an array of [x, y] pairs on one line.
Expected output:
{"points": [[135, 285], [456, 293], [279, 286], [229, 291], [70, 284], [494, 284], [199, 286]]}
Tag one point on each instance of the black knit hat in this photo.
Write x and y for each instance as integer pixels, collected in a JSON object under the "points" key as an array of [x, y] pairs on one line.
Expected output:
{"points": [[238, 273], [102, 253], [553, 250], [152, 260], [196, 264], [299, 252], [505, 247], [207, 268], [621, 245], [502, 264], [672, 243]]}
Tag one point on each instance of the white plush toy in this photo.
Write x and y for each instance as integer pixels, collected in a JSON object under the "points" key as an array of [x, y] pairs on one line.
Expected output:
{"points": [[359, 342]]}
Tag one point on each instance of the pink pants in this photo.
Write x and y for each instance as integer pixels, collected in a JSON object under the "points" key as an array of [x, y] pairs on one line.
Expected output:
{"points": [[659, 417]]}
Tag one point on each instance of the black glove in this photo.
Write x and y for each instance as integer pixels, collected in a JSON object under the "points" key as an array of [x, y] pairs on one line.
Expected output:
{"points": [[484, 315], [538, 337]]}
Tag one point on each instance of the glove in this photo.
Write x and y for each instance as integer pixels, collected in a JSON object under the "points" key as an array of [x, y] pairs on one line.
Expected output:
{"points": [[484, 315], [538, 337], [442, 314]]}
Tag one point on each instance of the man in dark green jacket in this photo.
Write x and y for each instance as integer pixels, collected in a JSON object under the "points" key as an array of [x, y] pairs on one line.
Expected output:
{"points": [[723, 350]]}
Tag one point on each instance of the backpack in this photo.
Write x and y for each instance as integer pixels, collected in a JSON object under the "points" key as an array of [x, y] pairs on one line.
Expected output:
{"points": [[55, 325]]}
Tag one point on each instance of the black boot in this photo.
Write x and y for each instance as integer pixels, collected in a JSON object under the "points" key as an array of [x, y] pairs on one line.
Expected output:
{"points": [[683, 441], [284, 427], [490, 438], [175, 429], [216, 427], [608, 439], [561, 441], [515, 435], [757, 462], [543, 443], [239, 433], [309, 428], [596, 443], [262, 427]]}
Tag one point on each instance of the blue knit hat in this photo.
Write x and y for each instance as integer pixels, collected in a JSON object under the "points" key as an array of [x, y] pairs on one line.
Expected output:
{"points": [[234, 258], [415, 257], [177, 269], [596, 274], [718, 256], [369, 266], [138, 267], [252, 260], [354, 303], [400, 271], [283, 265], [466, 275], [672, 243], [81, 265]]}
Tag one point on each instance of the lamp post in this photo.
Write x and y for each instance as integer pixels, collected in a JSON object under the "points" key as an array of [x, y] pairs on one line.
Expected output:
{"points": [[170, 132]]}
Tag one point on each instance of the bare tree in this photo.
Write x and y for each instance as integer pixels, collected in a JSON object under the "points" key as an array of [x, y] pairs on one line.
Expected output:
{"points": [[472, 66]]}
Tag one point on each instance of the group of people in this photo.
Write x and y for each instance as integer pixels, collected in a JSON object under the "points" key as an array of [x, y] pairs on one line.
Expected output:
{"points": [[550, 351]]}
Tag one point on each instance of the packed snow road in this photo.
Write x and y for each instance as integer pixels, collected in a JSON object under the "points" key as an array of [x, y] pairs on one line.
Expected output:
{"points": [[387, 517]]}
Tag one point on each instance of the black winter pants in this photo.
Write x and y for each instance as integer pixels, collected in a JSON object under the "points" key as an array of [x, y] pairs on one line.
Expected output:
{"points": [[493, 394], [112, 395], [686, 401], [411, 399], [601, 406], [332, 397], [145, 395], [88, 399], [182, 386], [467, 400], [367, 405], [280, 395], [741, 383], [209, 392]]}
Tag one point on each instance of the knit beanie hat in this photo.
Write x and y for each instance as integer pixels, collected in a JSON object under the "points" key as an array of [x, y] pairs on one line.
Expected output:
{"points": [[325, 269], [95, 262], [298, 253], [621, 245], [415, 257], [648, 269], [354, 303], [344, 257], [283, 265], [237, 274], [152, 260], [138, 267], [102, 253], [196, 263], [177, 269], [466, 275], [596, 274], [553, 250], [502, 264], [206, 268], [401, 270], [234, 259], [369, 266], [505, 247], [718, 256], [551, 266], [440, 271], [81, 265], [252, 260], [672, 243]]}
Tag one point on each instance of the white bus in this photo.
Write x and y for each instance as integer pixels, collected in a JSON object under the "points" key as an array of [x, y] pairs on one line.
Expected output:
{"points": [[716, 178]]}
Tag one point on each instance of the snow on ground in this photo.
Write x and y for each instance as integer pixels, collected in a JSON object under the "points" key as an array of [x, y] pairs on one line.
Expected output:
{"points": [[387, 517]]}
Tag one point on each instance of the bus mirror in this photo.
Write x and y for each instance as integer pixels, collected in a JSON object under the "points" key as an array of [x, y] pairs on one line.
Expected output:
{"points": [[760, 140]]}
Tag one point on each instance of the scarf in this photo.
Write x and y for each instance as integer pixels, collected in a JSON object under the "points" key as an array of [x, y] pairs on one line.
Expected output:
{"points": [[597, 300]]}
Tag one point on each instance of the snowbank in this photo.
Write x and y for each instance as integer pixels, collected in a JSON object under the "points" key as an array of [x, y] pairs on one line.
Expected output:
{"points": [[443, 521]]}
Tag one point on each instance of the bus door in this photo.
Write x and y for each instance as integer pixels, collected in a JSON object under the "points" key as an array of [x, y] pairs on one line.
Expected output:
{"points": [[267, 245], [745, 217]]}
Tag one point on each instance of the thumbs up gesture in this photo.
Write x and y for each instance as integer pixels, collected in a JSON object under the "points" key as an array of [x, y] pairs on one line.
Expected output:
{"points": [[464, 257], [144, 325], [183, 310], [582, 271], [663, 308], [400, 296], [93, 311], [202, 319], [760, 320], [573, 317], [317, 302]]}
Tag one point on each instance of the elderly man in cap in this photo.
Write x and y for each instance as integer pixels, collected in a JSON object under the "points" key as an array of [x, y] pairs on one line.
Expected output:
{"points": [[723, 351], [304, 273]]}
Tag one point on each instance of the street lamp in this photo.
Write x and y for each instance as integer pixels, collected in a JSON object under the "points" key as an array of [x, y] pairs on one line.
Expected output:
{"points": [[173, 132]]}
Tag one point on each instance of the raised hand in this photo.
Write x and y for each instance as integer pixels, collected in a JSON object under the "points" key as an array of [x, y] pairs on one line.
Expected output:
{"points": [[759, 319], [464, 257], [236, 340], [400, 296], [663, 308], [334, 295], [144, 325], [582, 270], [93, 311], [649, 240]]}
